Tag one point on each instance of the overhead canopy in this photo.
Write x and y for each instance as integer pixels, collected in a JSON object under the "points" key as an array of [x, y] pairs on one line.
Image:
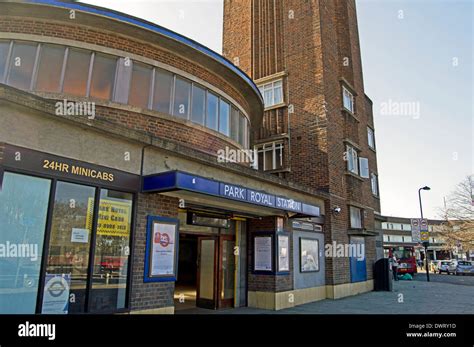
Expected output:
{"points": [[182, 181]]}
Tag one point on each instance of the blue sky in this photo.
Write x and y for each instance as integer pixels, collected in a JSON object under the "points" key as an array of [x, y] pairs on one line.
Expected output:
{"points": [[414, 52]]}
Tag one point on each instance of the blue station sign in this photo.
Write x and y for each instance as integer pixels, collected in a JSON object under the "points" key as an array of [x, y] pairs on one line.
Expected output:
{"points": [[177, 180]]}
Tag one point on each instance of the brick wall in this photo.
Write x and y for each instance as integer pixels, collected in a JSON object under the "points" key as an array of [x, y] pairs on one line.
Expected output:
{"points": [[320, 44], [154, 294], [264, 282]]}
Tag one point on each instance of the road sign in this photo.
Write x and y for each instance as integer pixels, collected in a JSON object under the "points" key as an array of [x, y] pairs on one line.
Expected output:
{"points": [[419, 230], [415, 230]]}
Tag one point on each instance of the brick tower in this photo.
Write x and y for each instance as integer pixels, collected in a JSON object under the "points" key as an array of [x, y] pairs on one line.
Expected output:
{"points": [[318, 127]]}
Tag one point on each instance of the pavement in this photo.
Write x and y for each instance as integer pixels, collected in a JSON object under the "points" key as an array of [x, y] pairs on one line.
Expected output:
{"points": [[444, 294]]}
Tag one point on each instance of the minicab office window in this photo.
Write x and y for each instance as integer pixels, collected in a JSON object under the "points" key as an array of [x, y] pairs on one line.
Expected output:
{"points": [[86, 233]]}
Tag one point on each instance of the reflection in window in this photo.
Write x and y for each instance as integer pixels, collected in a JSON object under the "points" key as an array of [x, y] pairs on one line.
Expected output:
{"points": [[182, 92], [140, 86], [49, 68], [4, 48], [198, 105], [21, 65], [112, 249], [234, 124], [162, 93], [212, 111], [224, 118], [103, 76], [77, 71], [70, 238], [23, 210]]}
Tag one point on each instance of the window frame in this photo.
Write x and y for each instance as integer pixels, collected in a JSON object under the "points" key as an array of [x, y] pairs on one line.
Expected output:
{"points": [[374, 183], [270, 147], [270, 86], [352, 157], [347, 92], [360, 213], [371, 138]]}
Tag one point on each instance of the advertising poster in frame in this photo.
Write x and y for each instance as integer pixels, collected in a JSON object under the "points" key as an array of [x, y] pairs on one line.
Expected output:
{"points": [[309, 255], [263, 253], [162, 249], [283, 251]]}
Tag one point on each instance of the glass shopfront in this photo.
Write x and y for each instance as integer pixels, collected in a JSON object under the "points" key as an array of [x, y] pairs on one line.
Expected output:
{"points": [[64, 245], [23, 211]]}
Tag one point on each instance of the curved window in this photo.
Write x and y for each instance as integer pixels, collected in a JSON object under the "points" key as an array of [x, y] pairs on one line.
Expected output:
{"points": [[83, 73], [212, 110], [4, 49], [103, 75], [21, 65], [140, 86], [224, 115], [162, 91], [77, 72], [198, 109], [182, 93], [49, 68]]}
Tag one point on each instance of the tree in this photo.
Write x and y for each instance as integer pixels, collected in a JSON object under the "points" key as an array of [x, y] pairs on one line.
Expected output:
{"points": [[458, 213]]}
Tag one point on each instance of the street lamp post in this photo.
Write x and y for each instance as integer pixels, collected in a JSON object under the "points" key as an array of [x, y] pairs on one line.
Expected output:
{"points": [[425, 243]]}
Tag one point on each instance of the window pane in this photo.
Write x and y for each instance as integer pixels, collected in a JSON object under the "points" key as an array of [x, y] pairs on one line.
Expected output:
{"points": [[370, 135], [279, 157], [162, 93], [260, 160], [4, 47], [70, 238], [182, 92], [278, 92], [21, 65], [212, 111], [103, 76], [268, 97], [355, 217], [49, 68], [234, 124], [23, 210], [242, 130], [140, 86], [224, 118], [77, 70], [198, 105], [268, 156], [112, 249]]}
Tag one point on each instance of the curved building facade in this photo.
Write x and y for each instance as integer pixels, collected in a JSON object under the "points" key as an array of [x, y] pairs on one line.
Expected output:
{"points": [[125, 172]]}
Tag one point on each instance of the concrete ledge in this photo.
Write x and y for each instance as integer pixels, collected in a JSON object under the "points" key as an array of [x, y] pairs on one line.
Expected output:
{"points": [[282, 300], [349, 289], [161, 310], [292, 298]]}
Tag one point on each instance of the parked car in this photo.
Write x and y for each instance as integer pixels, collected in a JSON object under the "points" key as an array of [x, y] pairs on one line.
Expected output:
{"points": [[448, 266], [465, 267]]}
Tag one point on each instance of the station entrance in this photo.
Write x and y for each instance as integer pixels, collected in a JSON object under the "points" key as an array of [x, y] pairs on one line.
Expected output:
{"points": [[208, 261]]}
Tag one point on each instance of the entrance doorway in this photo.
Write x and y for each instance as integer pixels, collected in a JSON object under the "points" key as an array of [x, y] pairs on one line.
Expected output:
{"points": [[206, 271]]}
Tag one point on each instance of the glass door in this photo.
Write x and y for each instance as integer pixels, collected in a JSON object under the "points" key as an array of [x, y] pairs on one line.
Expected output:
{"points": [[69, 247], [226, 271], [207, 272]]}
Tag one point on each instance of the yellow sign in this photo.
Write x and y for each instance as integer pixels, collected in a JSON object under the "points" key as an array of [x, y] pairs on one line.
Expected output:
{"points": [[114, 217], [425, 236]]}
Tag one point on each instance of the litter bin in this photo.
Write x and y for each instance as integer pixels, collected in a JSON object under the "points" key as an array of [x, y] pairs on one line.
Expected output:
{"points": [[382, 275]]}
